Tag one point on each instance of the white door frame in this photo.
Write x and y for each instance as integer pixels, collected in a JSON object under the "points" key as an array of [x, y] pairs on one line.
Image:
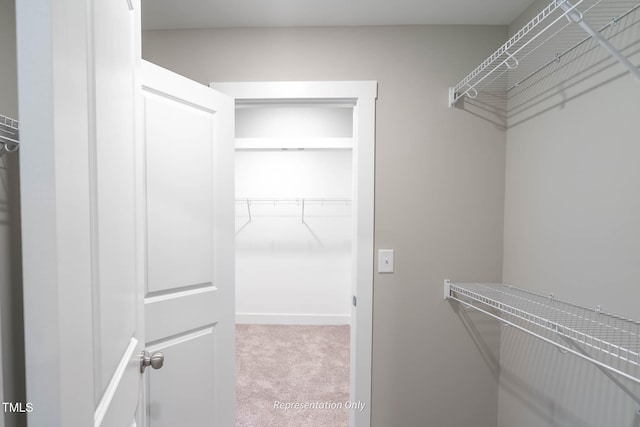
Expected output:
{"points": [[363, 95]]}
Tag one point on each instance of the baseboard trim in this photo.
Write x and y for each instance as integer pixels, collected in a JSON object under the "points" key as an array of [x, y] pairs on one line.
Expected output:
{"points": [[292, 319]]}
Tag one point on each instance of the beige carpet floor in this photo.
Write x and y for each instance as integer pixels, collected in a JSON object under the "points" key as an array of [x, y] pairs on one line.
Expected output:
{"points": [[279, 366]]}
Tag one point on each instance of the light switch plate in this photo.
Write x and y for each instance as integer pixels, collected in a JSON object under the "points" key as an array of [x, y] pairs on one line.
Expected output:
{"points": [[385, 261]]}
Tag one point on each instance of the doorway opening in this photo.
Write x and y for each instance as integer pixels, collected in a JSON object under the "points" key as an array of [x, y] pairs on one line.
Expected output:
{"points": [[304, 240], [293, 262]]}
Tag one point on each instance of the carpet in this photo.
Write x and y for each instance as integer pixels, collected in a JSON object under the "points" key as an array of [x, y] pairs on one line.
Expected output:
{"points": [[292, 376]]}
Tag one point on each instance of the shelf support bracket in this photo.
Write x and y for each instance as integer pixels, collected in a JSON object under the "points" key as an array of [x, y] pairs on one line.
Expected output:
{"points": [[576, 16], [608, 374], [447, 289], [452, 97]]}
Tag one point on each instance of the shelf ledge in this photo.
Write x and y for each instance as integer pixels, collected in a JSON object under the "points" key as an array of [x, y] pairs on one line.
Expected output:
{"points": [[294, 143]]}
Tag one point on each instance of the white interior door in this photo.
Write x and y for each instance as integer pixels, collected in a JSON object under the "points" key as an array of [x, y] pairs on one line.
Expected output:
{"points": [[93, 236], [81, 253], [189, 295]]}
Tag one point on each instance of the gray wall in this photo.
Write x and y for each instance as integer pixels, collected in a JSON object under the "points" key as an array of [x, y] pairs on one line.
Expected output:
{"points": [[10, 261], [439, 195], [572, 228]]}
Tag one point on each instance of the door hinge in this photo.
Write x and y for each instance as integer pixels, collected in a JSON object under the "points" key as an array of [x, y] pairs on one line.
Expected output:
{"points": [[355, 301]]}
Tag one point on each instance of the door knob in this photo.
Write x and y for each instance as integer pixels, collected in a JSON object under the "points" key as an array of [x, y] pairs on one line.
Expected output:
{"points": [[155, 360]]}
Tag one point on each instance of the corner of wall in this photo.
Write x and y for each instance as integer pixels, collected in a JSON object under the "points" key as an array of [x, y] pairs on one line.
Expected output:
{"points": [[570, 227]]}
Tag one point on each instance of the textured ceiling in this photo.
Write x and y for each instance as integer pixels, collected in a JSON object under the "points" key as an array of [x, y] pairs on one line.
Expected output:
{"points": [[183, 14]]}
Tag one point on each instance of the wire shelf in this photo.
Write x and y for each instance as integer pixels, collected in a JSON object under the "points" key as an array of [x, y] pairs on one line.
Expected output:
{"points": [[8, 122], [9, 135], [301, 203], [610, 341], [544, 42]]}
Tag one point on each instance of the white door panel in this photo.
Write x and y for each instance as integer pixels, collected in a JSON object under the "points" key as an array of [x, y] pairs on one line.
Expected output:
{"points": [[184, 386], [196, 307], [179, 193], [189, 300]]}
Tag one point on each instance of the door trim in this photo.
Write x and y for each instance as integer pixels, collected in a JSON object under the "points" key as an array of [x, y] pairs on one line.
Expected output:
{"points": [[363, 95]]}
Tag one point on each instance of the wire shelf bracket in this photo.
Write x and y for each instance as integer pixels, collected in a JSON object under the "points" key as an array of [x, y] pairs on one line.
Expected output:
{"points": [[577, 17], [609, 341], [542, 28]]}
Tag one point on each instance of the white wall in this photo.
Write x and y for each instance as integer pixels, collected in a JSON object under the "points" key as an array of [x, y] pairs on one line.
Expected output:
{"points": [[438, 198], [287, 271], [12, 354], [572, 228], [290, 121]]}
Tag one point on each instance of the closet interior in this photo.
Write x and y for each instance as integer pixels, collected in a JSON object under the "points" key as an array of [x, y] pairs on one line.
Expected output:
{"points": [[293, 213]]}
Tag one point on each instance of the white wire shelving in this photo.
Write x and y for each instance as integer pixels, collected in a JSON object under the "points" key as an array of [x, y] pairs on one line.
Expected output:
{"points": [[559, 29], [609, 341], [9, 135], [301, 202]]}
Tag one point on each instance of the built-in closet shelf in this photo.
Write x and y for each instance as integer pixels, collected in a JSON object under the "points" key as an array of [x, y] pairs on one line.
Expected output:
{"points": [[293, 143], [9, 135], [545, 41], [611, 342]]}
